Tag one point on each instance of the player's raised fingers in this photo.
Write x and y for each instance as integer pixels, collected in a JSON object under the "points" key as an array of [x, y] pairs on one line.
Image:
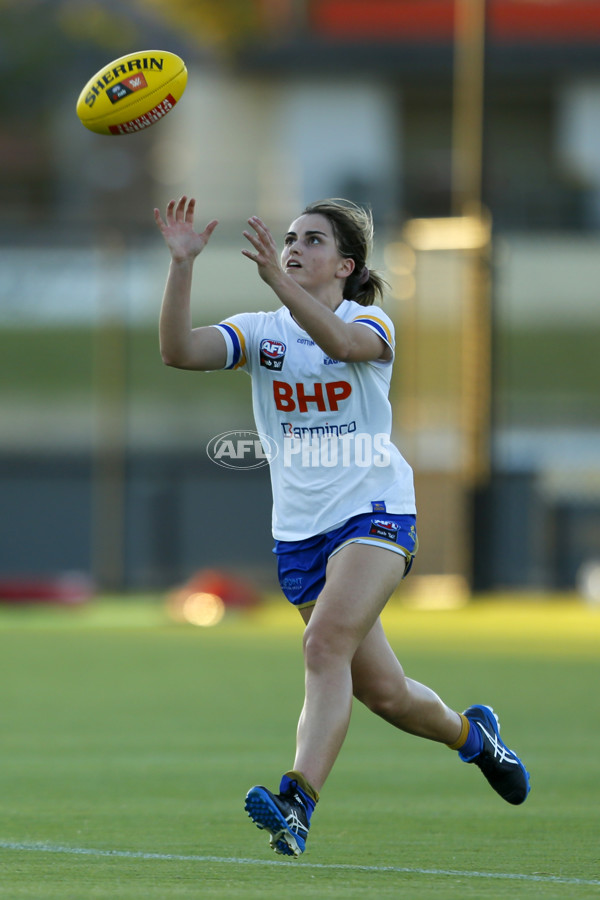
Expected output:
{"points": [[170, 212], [209, 229], [254, 239], [180, 208], [189, 212], [258, 225], [262, 231]]}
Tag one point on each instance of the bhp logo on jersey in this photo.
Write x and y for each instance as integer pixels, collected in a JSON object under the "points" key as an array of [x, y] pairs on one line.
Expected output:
{"points": [[272, 354], [324, 397]]}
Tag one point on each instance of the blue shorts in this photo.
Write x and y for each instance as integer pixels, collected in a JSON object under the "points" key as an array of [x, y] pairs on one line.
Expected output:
{"points": [[301, 565]]}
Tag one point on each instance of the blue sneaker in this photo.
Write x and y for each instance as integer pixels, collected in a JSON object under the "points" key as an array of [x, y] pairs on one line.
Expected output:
{"points": [[502, 767], [285, 815]]}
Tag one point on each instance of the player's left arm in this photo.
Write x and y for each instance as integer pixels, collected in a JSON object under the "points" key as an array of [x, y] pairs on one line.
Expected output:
{"points": [[344, 341], [364, 345]]}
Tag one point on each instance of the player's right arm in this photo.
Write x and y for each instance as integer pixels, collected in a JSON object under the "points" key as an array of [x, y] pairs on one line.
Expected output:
{"points": [[181, 345]]}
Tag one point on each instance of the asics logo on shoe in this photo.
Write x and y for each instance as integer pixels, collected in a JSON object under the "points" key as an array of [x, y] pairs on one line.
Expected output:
{"points": [[499, 750], [501, 767], [295, 824]]}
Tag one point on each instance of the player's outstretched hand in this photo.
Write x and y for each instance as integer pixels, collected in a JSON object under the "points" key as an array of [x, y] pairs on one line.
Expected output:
{"points": [[178, 229], [266, 254]]}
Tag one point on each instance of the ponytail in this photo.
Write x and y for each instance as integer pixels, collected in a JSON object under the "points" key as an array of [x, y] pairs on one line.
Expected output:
{"points": [[366, 288]]}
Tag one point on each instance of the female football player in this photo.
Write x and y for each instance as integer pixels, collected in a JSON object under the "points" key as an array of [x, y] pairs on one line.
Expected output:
{"points": [[343, 498]]}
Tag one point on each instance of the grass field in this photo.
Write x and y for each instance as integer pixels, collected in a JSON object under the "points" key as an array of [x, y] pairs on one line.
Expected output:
{"points": [[128, 743]]}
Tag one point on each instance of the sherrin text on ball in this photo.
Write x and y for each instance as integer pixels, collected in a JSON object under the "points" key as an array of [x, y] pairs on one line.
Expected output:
{"points": [[132, 92]]}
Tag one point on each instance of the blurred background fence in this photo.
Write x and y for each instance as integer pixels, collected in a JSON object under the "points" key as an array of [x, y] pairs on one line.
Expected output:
{"points": [[103, 467]]}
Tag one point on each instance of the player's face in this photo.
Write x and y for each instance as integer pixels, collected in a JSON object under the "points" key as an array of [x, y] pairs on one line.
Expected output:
{"points": [[310, 254]]}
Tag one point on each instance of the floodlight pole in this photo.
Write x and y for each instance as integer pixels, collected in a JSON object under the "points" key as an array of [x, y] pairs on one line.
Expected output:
{"points": [[477, 330], [467, 176], [467, 123]]}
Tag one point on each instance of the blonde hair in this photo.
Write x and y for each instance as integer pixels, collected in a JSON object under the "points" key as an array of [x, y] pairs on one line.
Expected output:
{"points": [[353, 231]]}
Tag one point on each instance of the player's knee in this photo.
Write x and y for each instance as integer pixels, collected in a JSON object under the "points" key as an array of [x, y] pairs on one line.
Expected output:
{"points": [[325, 646]]}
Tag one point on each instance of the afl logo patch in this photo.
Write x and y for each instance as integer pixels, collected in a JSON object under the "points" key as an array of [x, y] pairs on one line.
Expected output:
{"points": [[272, 354], [384, 529]]}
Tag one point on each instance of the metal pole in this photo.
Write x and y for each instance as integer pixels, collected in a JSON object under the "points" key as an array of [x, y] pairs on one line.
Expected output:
{"points": [[476, 330], [467, 171], [467, 122]]}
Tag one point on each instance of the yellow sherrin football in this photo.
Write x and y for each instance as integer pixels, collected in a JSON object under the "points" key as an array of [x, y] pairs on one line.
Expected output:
{"points": [[132, 92]]}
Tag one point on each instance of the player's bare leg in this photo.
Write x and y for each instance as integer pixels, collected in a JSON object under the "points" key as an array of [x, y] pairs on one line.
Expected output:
{"points": [[380, 683], [360, 579], [347, 653]]}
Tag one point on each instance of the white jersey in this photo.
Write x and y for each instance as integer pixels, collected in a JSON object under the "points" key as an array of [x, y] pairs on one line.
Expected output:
{"points": [[329, 420]]}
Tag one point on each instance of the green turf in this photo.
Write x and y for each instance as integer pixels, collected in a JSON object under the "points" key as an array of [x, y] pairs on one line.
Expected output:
{"points": [[122, 732]]}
